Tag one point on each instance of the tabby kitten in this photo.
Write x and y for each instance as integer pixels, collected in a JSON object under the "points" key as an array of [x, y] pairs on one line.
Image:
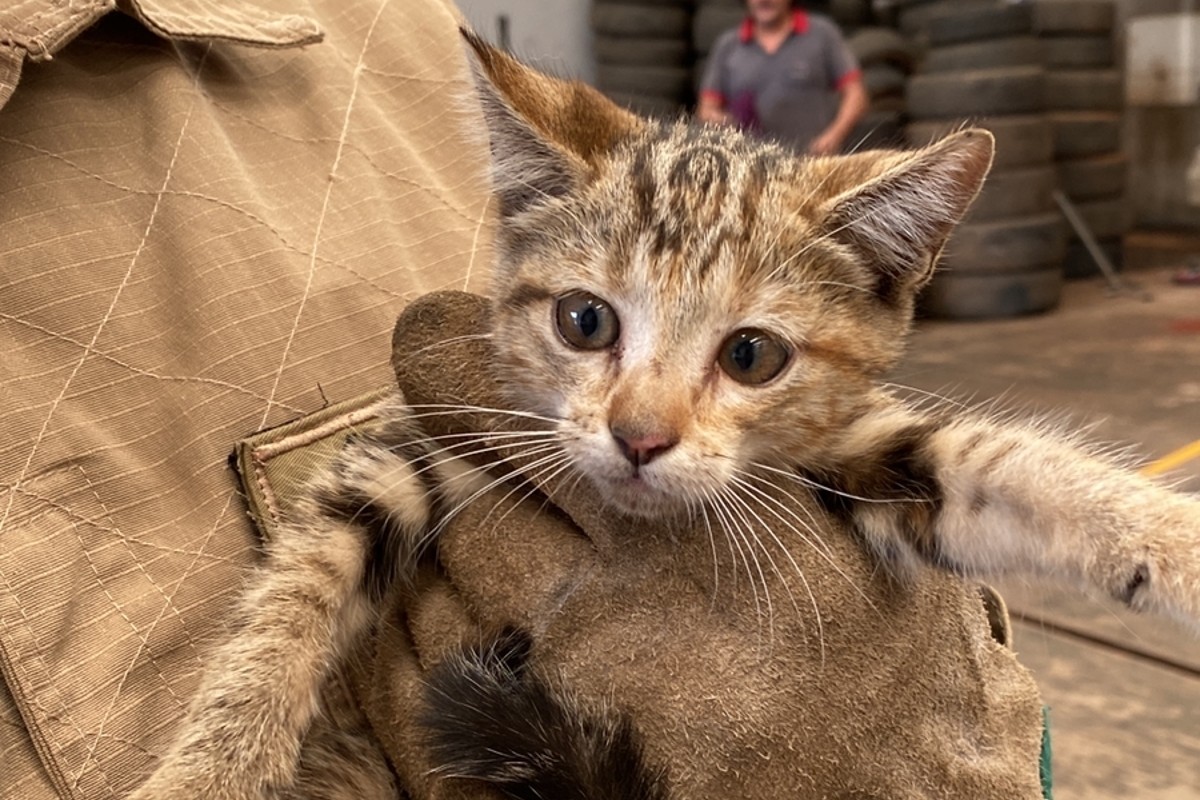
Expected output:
{"points": [[686, 307]]}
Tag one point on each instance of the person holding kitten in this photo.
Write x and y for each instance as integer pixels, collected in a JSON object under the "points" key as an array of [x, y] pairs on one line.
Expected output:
{"points": [[786, 75]]}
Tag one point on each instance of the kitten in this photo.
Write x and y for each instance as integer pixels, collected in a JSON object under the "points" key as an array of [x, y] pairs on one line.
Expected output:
{"points": [[690, 307]]}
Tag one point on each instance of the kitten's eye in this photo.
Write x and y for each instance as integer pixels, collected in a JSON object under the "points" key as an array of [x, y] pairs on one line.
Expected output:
{"points": [[586, 321], [753, 357]]}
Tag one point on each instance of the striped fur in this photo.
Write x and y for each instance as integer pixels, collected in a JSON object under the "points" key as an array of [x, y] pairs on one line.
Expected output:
{"points": [[490, 719], [689, 234]]}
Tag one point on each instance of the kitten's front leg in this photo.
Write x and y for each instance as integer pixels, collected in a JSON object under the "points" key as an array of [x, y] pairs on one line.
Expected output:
{"points": [[979, 496], [325, 573]]}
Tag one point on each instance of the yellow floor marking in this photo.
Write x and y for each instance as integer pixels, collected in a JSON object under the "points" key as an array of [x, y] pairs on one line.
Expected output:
{"points": [[1172, 460]]}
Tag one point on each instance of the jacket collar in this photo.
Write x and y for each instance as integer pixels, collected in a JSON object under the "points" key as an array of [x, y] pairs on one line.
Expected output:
{"points": [[799, 26]]}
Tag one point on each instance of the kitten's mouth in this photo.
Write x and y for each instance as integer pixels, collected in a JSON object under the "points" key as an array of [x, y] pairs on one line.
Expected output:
{"points": [[634, 495]]}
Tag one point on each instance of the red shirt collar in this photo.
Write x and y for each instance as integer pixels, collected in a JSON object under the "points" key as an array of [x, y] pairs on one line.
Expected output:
{"points": [[799, 26]]}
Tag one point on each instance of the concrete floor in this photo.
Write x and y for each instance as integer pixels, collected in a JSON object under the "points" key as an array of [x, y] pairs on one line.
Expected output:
{"points": [[1124, 690]]}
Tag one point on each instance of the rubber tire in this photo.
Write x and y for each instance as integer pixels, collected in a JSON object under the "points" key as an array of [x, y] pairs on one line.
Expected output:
{"points": [[882, 80], [654, 22], [1079, 52], [637, 80], [955, 296], [1011, 90], [891, 104], [1108, 218], [1078, 262], [850, 13], [915, 17], [1020, 140], [1084, 179], [1013, 51], [710, 22], [1084, 90], [882, 46], [626, 50], [1012, 244], [1078, 134], [1076, 17], [1024, 191], [971, 24], [649, 105]]}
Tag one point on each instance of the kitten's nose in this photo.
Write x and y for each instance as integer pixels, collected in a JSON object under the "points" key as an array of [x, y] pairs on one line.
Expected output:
{"points": [[642, 448]]}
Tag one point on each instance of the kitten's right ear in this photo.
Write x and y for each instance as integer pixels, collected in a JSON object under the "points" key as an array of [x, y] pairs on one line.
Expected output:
{"points": [[546, 134], [899, 220]]}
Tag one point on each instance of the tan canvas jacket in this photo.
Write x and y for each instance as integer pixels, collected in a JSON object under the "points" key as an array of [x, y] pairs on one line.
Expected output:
{"points": [[210, 214]]}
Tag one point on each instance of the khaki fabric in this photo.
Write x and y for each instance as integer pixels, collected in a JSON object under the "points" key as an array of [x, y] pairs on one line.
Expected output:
{"points": [[210, 214]]}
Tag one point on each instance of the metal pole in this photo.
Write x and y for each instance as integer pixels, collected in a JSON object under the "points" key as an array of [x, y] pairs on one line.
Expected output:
{"points": [[1116, 284]]}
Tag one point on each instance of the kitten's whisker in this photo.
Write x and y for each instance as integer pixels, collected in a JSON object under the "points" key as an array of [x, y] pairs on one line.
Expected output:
{"points": [[582, 231], [536, 481], [942, 398], [455, 408], [534, 448], [822, 550], [862, 289], [570, 492], [811, 484], [369, 501], [732, 538], [539, 482], [795, 567], [695, 500], [433, 533], [814, 541], [742, 509], [464, 440], [712, 544], [446, 342], [748, 554]]}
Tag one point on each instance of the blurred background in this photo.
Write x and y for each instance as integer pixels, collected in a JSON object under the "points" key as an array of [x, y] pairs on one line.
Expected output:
{"points": [[1095, 98]]}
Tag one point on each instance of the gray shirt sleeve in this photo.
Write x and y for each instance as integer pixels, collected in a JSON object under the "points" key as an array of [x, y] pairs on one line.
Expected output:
{"points": [[716, 73], [839, 61]]}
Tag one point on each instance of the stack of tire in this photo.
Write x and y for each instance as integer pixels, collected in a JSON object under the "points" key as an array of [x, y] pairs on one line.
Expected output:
{"points": [[713, 17], [643, 54], [887, 58], [984, 67], [912, 17], [1084, 97]]}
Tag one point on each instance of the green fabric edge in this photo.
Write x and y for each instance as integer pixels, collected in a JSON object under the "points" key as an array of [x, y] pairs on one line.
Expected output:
{"points": [[1044, 765]]}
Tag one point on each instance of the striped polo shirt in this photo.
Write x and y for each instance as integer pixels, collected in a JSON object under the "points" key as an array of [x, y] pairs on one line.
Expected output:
{"points": [[790, 95]]}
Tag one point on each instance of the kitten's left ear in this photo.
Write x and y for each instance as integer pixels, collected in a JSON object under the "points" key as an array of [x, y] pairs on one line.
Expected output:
{"points": [[900, 220], [546, 134]]}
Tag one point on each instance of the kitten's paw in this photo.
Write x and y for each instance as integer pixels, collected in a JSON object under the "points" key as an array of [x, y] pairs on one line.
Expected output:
{"points": [[172, 782], [193, 793], [1159, 571]]}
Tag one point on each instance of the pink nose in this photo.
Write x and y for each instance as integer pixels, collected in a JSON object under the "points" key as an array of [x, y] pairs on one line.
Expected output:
{"points": [[642, 448]]}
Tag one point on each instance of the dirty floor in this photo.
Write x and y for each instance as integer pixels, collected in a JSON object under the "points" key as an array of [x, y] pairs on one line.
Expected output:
{"points": [[1123, 690]]}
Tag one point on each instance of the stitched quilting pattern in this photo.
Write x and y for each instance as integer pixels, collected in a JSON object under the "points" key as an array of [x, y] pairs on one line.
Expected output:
{"points": [[198, 240]]}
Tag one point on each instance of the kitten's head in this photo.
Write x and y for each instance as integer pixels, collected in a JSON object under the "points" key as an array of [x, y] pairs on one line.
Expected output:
{"points": [[690, 302]]}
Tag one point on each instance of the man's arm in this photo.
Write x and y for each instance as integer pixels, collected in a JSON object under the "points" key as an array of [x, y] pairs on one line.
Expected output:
{"points": [[853, 105], [712, 105], [711, 108]]}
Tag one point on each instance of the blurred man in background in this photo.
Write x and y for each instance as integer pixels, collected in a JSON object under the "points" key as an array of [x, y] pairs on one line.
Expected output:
{"points": [[786, 75]]}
